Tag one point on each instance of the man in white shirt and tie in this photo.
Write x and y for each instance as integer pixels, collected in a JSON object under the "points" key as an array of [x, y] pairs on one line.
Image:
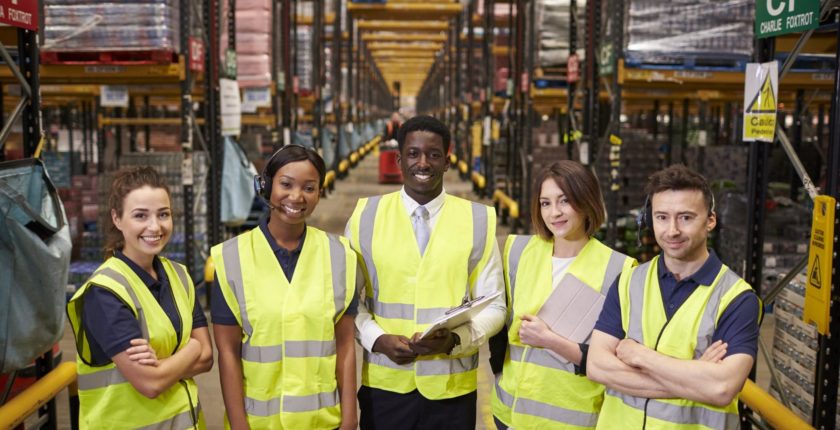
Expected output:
{"points": [[423, 252]]}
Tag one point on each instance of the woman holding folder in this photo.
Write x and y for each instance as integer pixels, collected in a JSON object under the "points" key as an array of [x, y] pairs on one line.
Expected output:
{"points": [[562, 274]]}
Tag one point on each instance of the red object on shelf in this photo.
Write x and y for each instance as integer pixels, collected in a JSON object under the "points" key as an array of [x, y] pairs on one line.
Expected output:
{"points": [[164, 56], [389, 169]]}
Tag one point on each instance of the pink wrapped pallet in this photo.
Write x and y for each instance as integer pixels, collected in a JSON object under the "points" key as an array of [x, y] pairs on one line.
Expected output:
{"points": [[242, 5], [249, 64], [253, 21], [253, 43], [254, 81]]}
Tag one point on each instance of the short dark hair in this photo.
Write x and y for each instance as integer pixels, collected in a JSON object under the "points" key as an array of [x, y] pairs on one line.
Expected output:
{"points": [[579, 185], [290, 154], [424, 123], [679, 177]]}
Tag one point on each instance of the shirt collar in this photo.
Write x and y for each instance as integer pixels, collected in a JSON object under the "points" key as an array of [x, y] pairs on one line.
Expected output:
{"points": [[144, 276], [433, 206], [705, 275], [273, 243]]}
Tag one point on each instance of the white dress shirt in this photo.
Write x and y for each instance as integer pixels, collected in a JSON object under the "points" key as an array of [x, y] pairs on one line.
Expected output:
{"points": [[491, 279]]}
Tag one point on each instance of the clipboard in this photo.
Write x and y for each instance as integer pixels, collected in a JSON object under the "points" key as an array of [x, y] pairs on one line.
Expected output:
{"points": [[572, 310], [460, 315]]}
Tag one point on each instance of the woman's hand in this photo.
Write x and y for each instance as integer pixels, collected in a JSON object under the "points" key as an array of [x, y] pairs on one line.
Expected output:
{"points": [[143, 353]]}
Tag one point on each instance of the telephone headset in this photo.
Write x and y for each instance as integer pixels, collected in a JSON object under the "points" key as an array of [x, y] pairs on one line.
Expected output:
{"points": [[644, 220], [262, 183]]}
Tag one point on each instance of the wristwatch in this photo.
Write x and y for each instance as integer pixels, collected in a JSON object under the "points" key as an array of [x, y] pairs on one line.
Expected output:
{"points": [[456, 340]]}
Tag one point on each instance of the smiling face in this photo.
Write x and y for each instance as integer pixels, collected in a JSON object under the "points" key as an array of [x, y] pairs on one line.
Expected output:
{"points": [[681, 224], [561, 218], [423, 162], [145, 222], [295, 191]]}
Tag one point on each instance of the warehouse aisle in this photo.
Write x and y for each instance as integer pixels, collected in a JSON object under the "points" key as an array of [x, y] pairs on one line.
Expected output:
{"points": [[330, 215]]}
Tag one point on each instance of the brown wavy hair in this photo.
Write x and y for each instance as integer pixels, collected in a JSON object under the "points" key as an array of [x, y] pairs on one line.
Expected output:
{"points": [[125, 181], [581, 187]]}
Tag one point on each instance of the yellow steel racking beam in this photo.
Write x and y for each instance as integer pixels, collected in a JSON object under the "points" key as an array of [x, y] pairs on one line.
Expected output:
{"points": [[403, 54], [395, 37], [414, 46], [402, 26], [405, 11], [308, 19]]}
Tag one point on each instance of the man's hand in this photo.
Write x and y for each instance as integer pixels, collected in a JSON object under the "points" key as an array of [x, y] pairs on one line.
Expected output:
{"points": [[395, 347], [440, 342], [143, 353], [631, 352], [534, 332], [714, 353]]}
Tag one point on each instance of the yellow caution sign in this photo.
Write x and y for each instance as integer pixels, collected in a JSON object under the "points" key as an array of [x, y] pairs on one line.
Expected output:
{"points": [[818, 290], [761, 89]]}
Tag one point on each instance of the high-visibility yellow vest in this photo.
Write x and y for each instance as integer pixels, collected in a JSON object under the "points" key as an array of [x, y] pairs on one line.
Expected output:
{"points": [[106, 398], [686, 336], [288, 328], [536, 390], [406, 292]]}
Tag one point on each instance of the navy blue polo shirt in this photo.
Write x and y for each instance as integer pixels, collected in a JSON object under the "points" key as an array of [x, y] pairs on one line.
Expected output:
{"points": [[221, 314], [110, 324], [738, 327]]}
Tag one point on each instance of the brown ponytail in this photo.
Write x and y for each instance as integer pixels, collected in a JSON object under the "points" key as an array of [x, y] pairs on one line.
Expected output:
{"points": [[125, 181]]}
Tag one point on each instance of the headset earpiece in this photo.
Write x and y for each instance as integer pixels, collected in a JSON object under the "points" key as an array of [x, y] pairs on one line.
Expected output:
{"points": [[643, 220]]}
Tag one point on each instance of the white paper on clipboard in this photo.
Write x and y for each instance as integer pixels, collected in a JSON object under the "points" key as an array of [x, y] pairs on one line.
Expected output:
{"points": [[461, 314]]}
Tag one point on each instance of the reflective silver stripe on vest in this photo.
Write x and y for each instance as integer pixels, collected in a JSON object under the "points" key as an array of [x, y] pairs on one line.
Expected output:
{"points": [[101, 379], [479, 217], [261, 354], [503, 395], [516, 249], [436, 367], [637, 299], [366, 222], [182, 275], [267, 408], [338, 263], [429, 315], [401, 311], [631, 401], [540, 357], [708, 321], [445, 366], [555, 413], [181, 421], [233, 272], [120, 279], [294, 349], [691, 415], [614, 267]]}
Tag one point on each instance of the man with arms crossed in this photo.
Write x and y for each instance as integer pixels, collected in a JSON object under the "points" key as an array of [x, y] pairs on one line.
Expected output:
{"points": [[678, 335]]}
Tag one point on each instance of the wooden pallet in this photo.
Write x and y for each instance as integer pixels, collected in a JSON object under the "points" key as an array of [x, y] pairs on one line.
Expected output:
{"points": [[160, 56]]}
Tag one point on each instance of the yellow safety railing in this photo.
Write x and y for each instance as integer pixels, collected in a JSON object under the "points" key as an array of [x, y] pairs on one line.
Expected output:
{"points": [[15, 411], [209, 270], [453, 159], [506, 203], [463, 167], [775, 413], [354, 158], [479, 180], [343, 166]]}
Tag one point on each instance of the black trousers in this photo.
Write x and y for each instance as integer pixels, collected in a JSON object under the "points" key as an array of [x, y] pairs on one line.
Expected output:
{"points": [[386, 410]]}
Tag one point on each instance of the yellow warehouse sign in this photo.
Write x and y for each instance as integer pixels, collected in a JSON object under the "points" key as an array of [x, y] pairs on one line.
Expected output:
{"points": [[818, 290], [761, 89]]}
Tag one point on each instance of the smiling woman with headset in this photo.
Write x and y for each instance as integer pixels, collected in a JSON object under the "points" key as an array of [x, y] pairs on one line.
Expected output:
{"points": [[283, 309]]}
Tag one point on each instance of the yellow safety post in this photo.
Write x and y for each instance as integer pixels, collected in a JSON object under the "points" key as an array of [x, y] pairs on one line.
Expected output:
{"points": [[506, 202], [329, 178], [775, 413], [453, 159], [343, 166], [209, 271], [479, 180], [354, 158], [38, 394], [463, 167]]}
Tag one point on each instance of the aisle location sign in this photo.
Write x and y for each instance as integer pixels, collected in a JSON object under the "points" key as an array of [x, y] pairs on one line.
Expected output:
{"points": [[761, 88], [775, 17], [818, 288], [19, 13]]}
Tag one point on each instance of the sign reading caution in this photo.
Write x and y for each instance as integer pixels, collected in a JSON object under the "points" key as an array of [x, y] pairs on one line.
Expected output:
{"points": [[761, 89], [818, 290]]}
